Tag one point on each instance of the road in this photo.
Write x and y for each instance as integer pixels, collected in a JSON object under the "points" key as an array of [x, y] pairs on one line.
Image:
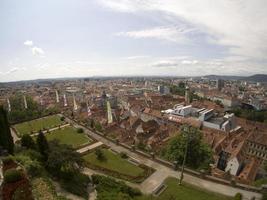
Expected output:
{"points": [[162, 172]]}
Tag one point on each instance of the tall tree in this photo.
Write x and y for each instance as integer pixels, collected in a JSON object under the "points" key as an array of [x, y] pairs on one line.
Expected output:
{"points": [[27, 141], [42, 145], [63, 159], [199, 154], [6, 139]]}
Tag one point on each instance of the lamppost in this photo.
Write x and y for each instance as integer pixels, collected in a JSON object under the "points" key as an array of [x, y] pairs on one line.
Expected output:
{"points": [[187, 134]]}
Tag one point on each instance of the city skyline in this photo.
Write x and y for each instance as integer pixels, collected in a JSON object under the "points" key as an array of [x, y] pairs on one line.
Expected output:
{"points": [[126, 38]]}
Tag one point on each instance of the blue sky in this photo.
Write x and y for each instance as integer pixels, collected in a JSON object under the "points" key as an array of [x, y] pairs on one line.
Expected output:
{"points": [[73, 38]]}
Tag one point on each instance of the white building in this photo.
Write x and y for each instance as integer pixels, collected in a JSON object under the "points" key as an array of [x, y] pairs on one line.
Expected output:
{"points": [[233, 166]]}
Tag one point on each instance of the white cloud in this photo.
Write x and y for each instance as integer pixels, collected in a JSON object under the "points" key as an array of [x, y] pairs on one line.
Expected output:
{"points": [[12, 70], [28, 43], [172, 33], [189, 62], [136, 57], [165, 63], [36, 51], [240, 26]]}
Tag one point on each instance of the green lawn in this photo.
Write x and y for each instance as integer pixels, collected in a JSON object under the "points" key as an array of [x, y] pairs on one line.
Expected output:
{"points": [[38, 124], [184, 192], [69, 135], [114, 162]]}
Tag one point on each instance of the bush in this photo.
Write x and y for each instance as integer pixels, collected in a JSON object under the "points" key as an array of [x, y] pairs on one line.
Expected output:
{"points": [[109, 188], [23, 192], [34, 168], [80, 130], [264, 196], [76, 184], [100, 155], [124, 155], [7, 160], [98, 127], [62, 118], [238, 196], [12, 175]]}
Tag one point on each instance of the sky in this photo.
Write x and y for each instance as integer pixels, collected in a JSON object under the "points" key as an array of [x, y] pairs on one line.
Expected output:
{"points": [[83, 38]]}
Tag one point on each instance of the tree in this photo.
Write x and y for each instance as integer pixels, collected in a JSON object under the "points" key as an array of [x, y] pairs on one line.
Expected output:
{"points": [[181, 85], [6, 139], [264, 196], [19, 113], [99, 154], [238, 196], [63, 159], [27, 141], [42, 145], [80, 130], [98, 127], [199, 154], [92, 123]]}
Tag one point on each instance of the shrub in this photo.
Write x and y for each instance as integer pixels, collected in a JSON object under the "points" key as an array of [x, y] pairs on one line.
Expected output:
{"points": [[238, 196], [76, 184], [98, 127], [7, 160], [34, 168], [34, 155], [12, 175], [80, 130], [62, 118], [99, 155], [109, 188], [264, 196], [124, 155], [23, 192]]}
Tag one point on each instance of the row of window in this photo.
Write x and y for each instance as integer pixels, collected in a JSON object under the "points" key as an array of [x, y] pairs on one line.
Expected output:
{"points": [[258, 153], [256, 146]]}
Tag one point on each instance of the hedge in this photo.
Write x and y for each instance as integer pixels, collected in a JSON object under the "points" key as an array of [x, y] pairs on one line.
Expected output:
{"points": [[12, 175]]}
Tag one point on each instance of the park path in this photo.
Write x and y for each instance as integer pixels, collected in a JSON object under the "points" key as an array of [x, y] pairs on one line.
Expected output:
{"points": [[14, 135], [162, 172], [90, 147]]}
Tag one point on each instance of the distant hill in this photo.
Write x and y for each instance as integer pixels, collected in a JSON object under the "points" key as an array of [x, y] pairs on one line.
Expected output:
{"points": [[214, 77], [253, 78], [256, 78]]}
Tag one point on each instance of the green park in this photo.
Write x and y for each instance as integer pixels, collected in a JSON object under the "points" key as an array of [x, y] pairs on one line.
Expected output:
{"points": [[34, 126], [116, 165], [70, 136], [174, 191]]}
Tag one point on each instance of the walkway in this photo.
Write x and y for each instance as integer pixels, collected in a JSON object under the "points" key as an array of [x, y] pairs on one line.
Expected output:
{"points": [[90, 147], [162, 172], [14, 135]]}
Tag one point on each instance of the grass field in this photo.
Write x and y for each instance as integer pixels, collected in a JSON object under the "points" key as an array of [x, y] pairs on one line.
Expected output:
{"points": [[38, 124], [115, 163], [184, 192], [69, 135]]}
